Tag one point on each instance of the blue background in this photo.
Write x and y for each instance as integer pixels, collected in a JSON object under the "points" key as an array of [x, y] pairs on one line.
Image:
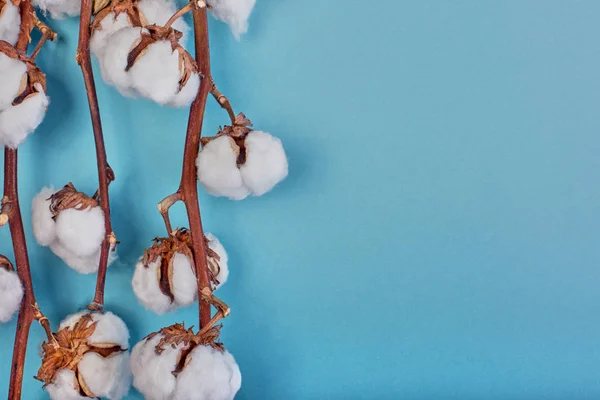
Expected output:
{"points": [[437, 237]]}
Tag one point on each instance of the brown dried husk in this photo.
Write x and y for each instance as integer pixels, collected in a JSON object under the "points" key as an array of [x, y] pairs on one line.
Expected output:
{"points": [[179, 241], [68, 197], [237, 132], [33, 77], [69, 349], [155, 33], [177, 334], [128, 7]]}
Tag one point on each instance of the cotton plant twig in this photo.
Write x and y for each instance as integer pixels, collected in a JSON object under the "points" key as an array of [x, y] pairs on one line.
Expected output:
{"points": [[192, 5], [222, 100], [105, 173], [47, 34], [11, 214], [165, 205]]}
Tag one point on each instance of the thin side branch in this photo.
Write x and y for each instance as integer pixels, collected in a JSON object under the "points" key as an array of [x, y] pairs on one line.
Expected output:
{"points": [[105, 173], [223, 101], [165, 205]]}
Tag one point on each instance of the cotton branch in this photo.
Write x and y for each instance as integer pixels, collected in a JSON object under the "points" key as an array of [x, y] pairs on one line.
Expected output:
{"points": [[105, 173]]}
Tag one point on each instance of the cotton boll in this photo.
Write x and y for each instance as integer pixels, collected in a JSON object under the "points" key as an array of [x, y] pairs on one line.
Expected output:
{"points": [[59, 9], [63, 387], [114, 59], [234, 13], [11, 294], [209, 375], [185, 286], [266, 163], [108, 377], [12, 72], [17, 122], [108, 26], [156, 72], [218, 171], [10, 22], [188, 93], [81, 231], [109, 329], [152, 374], [146, 289], [44, 227], [215, 245]]}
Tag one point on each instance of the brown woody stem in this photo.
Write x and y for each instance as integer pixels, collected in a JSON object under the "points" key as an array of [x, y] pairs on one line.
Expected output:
{"points": [[188, 186], [45, 323], [12, 212], [47, 34], [105, 173], [223, 101], [165, 205]]}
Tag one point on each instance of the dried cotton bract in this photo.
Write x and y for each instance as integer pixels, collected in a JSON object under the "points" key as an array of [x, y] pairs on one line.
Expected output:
{"points": [[11, 290], [239, 162], [10, 21], [234, 13], [165, 278], [88, 359], [176, 364], [23, 99], [72, 225]]}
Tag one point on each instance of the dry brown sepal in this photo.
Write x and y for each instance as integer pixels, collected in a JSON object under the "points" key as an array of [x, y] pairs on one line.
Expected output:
{"points": [[70, 348], [187, 64], [32, 76], [237, 132], [177, 334], [180, 241], [5, 263], [69, 197], [118, 7]]}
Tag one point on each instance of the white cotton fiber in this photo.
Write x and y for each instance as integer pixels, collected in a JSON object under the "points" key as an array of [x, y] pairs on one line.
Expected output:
{"points": [[10, 22], [234, 13], [12, 72], [113, 60], [185, 286], [11, 294], [59, 9], [110, 328], [17, 122], [146, 289], [83, 265], [152, 373], [44, 227], [81, 232], [209, 375], [108, 26], [63, 387], [187, 94], [217, 169], [266, 163], [108, 377], [216, 246]]}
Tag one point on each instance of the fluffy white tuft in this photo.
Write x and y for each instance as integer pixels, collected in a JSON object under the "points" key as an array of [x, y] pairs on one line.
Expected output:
{"points": [[209, 375], [108, 26], [110, 328], [218, 171], [11, 293], [187, 94], [59, 9], [10, 22], [12, 72], [44, 227], [266, 163], [185, 286], [63, 387], [17, 122], [234, 13], [216, 246], [83, 265], [146, 289], [81, 232], [113, 59], [152, 374]]}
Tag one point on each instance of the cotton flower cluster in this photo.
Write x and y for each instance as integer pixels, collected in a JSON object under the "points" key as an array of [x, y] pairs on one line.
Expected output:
{"points": [[165, 277], [139, 57], [10, 21], [234, 13], [239, 162], [23, 99], [175, 364], [11, 290], [89, 358], [72, 225]]}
